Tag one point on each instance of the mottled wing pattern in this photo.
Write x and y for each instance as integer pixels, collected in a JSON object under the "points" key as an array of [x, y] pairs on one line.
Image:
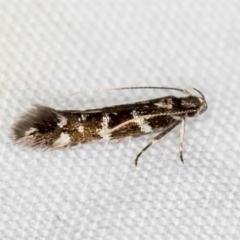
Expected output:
{"points": [[44, 127]]}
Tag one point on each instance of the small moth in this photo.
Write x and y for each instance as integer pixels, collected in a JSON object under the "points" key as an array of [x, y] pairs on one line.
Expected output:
{"points": [[48, 128]]}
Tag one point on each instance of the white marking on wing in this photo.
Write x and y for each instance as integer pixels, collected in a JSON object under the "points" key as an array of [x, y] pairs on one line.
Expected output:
{"points": [[31, 130], [144, 126], [84, 116], [63, 121], [80, 129], [141, 122], [104, 132], [62, 141]]}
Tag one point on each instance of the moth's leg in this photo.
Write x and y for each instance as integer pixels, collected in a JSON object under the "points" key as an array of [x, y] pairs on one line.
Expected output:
{"points": [[182, 131], [129, 141], [105, 145], [159, 136], [120, 140]]}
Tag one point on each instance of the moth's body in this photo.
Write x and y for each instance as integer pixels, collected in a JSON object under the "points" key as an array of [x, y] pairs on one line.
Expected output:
{"points": [[44, 127]]}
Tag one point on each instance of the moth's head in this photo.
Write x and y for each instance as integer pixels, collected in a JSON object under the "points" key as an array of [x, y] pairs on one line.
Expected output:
{"points": [[194, 105]]}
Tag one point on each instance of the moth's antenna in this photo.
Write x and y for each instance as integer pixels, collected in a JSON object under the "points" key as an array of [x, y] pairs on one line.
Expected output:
{"points": [[128, 88], [202, 96], [204, 104]]}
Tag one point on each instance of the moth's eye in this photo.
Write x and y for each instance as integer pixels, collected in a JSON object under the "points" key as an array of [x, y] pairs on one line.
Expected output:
{"points": [[191, 114]]}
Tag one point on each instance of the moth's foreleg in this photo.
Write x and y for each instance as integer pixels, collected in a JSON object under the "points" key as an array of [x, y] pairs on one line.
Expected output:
{"points": [[159, 136], [182, 131]]}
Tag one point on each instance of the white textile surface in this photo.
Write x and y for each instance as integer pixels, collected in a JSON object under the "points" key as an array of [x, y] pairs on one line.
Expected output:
{"points": [[52, 49]]}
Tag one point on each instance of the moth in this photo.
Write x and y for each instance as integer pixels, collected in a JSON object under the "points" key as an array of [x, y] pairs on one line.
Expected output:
{"points": [[47, 128]]}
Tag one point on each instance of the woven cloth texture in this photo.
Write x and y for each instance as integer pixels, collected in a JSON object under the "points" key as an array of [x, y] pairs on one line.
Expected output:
{"points": [[52, 49]]}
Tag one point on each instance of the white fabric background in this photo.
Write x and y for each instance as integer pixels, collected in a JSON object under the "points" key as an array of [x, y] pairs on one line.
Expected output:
{"points": [[51, 49]]}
